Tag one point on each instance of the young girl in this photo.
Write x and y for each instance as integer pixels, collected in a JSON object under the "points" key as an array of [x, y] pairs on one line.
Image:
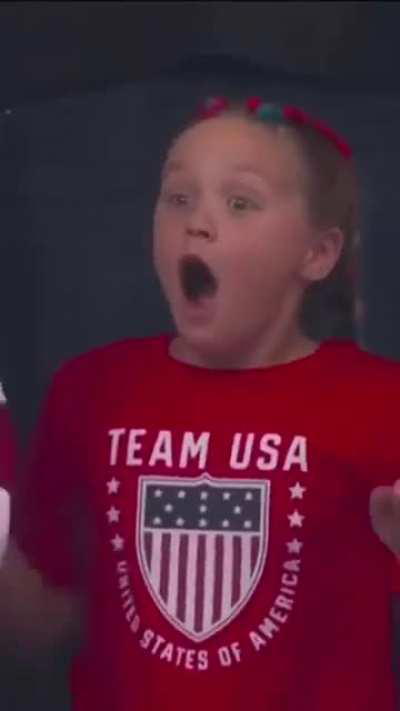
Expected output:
{"points": [[206, 499]]}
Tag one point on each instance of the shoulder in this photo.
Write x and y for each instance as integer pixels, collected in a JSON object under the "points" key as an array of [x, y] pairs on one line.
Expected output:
{"points": [[88, 379], [111, 361], [351, 363], [363, 389], [360, 394]]}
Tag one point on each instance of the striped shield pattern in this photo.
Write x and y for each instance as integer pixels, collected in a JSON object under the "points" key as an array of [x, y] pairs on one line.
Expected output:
{"points": [[202, 545]]}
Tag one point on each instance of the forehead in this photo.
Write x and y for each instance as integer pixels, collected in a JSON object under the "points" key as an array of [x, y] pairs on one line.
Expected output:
{"points": [[229, 143]]}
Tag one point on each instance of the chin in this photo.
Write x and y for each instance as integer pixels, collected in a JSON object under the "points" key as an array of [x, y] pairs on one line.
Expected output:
{"points": [[197, 337], [205, 345]]}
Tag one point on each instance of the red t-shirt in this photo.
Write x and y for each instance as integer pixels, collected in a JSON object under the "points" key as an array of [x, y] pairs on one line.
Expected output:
{"points": [[219, 521]]}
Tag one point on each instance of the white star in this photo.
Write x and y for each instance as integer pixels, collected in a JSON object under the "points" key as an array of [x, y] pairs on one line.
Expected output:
{"points": [[113, 486], [157, 521], [181, 494], [113, 515], [180, 521], [248, 524], [294, 546], [204, 495], [158, 493], [226, 495], [203, 508], [249, 496], [225, 524], [203, 523], [168, 508], [297, 491], [117, 543], [237, 510], [295, 519]]}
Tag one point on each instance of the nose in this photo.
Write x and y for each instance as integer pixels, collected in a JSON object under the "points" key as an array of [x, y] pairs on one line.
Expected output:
{"points": [[204, 233], [201, 222]]}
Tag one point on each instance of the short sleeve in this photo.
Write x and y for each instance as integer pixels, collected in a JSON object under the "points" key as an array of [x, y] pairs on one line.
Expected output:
{"points": [[396, 577], [376, 428], [8, 450], [50, 508]]}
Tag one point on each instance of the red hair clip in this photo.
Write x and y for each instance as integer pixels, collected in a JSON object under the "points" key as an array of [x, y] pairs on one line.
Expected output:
{"points": [[213, 106], [253, 104]]}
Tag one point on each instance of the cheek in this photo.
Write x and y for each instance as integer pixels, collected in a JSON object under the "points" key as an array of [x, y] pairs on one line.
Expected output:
{"points": [[161, 238], [280, 243], [165, 255], [263, 258]]}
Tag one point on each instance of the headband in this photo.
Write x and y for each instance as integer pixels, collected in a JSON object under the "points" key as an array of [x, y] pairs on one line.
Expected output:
{"points": [[277, 114]]}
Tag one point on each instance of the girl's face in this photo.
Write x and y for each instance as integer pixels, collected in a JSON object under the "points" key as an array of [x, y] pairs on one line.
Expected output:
{"points": [[234, 247]]}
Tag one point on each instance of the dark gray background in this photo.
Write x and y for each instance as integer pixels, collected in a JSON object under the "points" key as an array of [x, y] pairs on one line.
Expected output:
{"points": [[52, 48]]}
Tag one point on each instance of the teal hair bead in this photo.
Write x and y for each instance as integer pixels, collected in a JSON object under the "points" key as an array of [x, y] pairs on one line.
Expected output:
{"points": [[270, 112]]}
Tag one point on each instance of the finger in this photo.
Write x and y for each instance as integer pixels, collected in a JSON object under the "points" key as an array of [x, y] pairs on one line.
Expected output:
{"points": [[4, 521]]}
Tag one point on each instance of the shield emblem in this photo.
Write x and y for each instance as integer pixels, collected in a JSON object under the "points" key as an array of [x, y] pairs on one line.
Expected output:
{"points": [[202, 545]]}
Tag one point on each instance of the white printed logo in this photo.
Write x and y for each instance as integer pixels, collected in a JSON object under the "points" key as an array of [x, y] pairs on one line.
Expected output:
{"points": [[202, 545]]}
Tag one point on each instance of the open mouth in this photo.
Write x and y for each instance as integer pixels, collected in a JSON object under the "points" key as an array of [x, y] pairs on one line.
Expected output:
{"points": [[197, 279]]}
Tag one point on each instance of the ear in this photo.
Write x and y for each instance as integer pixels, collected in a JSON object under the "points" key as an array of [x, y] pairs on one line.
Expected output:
{"points": [[323, 255]]}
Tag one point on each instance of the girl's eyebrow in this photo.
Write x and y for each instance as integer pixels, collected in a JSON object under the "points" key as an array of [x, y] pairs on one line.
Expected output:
{"points": [[176, 166], [275, 182], [171, 166], [251, 169]]}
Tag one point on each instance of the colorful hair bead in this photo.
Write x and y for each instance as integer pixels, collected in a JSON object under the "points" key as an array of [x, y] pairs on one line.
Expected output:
{"points": [[213, 106], [270, 112], [292, 113], [253, 104], [264, 111]]}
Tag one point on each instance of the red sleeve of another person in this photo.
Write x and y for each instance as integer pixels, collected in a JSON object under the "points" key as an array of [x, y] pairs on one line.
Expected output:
{"points": [[8, 448], [49, 510]]}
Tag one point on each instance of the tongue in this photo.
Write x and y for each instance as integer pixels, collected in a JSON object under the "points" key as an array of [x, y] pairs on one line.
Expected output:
{"points": [[197, 279]]}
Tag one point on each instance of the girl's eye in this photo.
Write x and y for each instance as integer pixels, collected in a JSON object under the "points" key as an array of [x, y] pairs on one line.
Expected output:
{"points": [[177, 199], [240, 204]]}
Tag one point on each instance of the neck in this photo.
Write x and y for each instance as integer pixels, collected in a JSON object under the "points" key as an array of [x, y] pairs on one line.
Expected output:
{"points": [[268, 350]]}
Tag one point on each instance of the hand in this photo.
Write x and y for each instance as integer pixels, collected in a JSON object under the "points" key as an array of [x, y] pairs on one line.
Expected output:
{"points": [[384, 508], [5, 506], [34, 618]]}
